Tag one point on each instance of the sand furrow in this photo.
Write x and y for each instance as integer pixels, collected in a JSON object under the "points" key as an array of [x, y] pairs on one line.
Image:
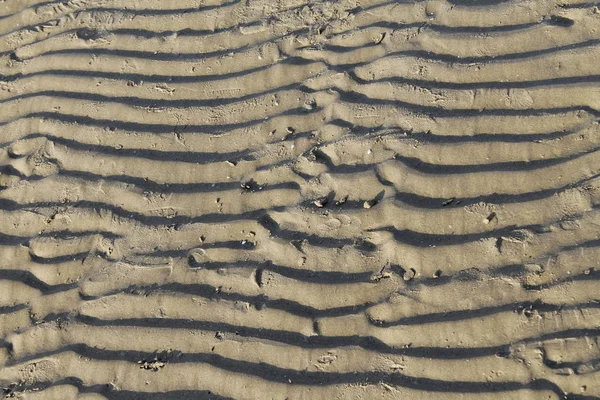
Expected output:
{"points": [[431, 38], [301, 199], [62, 18], [210, 369]]}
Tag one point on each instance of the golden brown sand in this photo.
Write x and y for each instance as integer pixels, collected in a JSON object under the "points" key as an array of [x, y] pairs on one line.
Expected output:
{"points": [[299, 199]]}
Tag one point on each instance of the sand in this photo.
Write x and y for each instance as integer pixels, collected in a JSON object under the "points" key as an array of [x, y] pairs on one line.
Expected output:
{"points": [[299, 199]]}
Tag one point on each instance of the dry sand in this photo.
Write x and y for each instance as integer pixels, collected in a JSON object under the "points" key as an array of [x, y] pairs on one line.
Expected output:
{"points": [[296, 199]]}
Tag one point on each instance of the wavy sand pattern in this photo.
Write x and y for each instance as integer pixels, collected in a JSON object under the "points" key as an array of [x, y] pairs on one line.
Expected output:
{"points": [[299, 199]]}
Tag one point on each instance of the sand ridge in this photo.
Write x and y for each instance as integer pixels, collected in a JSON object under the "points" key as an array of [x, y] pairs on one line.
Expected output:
{"points": [[299, 199]]}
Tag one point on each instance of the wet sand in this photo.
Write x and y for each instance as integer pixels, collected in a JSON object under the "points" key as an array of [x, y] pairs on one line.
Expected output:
{"points": [[258, 199]]}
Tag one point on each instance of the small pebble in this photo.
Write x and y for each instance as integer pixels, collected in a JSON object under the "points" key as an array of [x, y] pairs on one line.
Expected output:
{"points": [[489, 218], [320, 203], [341, 201], [409, 274]]}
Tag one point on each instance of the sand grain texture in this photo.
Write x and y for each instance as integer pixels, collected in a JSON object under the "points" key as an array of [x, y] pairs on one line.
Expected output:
{"points": [[258, 199]]}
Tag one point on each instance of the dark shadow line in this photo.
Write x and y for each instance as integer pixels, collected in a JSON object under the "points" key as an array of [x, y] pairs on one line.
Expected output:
{"points": [[317, 341], [131, 101], [259, 302], [494, 198], [298, 238], [427, 25], [34, 282], [436, 111], [453, 59], [157, 128], [147, 12], [428, 137], [110, 392], [272, 373], [304, 275], [188, 156], [14, 240], [593, 275], [140, 54], [12, 309], [479, 3], [419, 239], [150, 220], [511, 270], [462, 315], [132, 11], [588, 4], [427, 84], [424, 167], [153, 186], [577, 367], [509, 166], [59, 259], [138, 77]]}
